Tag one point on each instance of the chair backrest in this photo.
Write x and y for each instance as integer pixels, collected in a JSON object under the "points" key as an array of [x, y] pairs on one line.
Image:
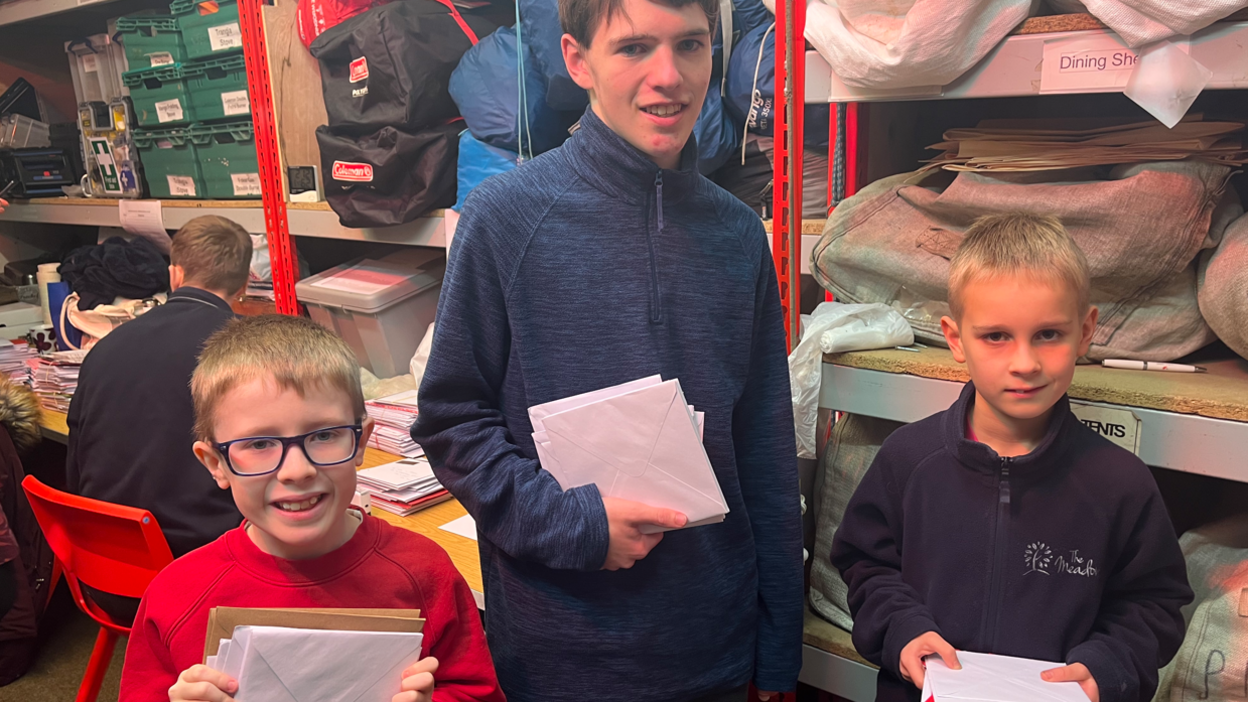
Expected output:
{"points": [[112, 548]]}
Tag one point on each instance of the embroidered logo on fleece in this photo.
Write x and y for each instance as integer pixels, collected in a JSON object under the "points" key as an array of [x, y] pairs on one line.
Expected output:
{"points": [[1039, 558]]}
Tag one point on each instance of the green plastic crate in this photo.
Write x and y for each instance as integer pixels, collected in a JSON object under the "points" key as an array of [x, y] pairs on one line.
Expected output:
{"points": [[227, 159], [208, 28], [159, 96], [218, 88], [170, 162], [151, 41]]}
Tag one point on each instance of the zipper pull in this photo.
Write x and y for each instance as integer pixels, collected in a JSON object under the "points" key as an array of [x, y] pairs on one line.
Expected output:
{"points": [[658, 195], [1005, 480]]}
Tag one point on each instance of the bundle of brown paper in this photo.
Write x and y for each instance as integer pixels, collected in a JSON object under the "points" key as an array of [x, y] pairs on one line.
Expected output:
{"points": [[222, 620], [1052, 144]]}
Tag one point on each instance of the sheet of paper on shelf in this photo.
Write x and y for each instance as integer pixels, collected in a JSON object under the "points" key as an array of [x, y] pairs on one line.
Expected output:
{"points": [[144, 218], [989, 678], [637, 441], [465, 526]]}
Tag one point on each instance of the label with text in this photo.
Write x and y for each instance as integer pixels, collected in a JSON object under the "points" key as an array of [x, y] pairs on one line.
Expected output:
{"points": [[169, 111], [161, 58], [103, 152], [1098, 62], [225, 36], [1120, 426], [246, 184], [359, 69], [235, 103], [90, 64], [356, 172], [181, 186]]}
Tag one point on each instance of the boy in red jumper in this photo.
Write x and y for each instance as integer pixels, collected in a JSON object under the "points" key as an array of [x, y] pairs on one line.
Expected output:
{"points": [[280, 421]]}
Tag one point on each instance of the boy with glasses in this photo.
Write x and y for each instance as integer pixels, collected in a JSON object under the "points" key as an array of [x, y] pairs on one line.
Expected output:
{"points": [[285, 432]]}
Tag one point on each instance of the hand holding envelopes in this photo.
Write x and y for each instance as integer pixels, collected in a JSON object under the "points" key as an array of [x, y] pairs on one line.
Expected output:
{"points": [[279, 664], [988, 678], [638, 441]]}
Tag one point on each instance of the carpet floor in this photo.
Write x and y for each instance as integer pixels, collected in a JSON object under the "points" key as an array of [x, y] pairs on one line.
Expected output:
{"points": [[68, 636]]}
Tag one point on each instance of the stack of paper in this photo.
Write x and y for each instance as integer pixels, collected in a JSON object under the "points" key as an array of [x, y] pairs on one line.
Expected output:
{"points": [[1051, 144], [638, 441], [294, 655], [988, 678], [402, 487], [394, 416], [54, 377], [13, 357]]}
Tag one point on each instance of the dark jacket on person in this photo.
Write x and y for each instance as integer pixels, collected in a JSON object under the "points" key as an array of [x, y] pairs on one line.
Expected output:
{"points": [[586, 268], [23, 550], [131, 420], [1065, 554]]}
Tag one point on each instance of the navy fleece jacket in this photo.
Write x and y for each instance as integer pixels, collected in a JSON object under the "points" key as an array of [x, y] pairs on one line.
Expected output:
{"points": [[1064, 554], [585, 268]]}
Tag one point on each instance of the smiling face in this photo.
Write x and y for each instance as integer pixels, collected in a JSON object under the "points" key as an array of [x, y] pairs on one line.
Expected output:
{"points": [[647, 69], [1019, 336], [299, 511]]}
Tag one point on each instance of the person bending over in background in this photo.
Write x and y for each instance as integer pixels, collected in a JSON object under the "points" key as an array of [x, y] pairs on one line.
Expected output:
{"points": [[130, 419], [607, 260], [1003, 524]]}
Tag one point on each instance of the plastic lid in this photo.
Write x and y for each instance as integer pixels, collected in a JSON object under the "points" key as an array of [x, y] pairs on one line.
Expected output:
{"points": [[366, 286], [134, 79], [125, 24], [182, 7], [235, 62]]}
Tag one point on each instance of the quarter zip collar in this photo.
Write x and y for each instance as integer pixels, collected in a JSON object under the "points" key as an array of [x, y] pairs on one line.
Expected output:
{"points": [[981, 458], [610, 164], [188, 292]]}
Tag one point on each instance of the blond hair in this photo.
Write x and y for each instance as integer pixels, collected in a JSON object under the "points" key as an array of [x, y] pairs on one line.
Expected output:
{"points": [[294, 352], [214, 252], [1009, 244]]}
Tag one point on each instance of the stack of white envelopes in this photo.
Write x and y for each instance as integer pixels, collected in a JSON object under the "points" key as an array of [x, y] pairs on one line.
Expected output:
{"points": [[281, 664], [989, 678], [638, 441]]}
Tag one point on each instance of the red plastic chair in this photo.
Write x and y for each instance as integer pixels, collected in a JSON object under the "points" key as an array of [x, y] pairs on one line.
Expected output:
{"points": [[109, 547]]}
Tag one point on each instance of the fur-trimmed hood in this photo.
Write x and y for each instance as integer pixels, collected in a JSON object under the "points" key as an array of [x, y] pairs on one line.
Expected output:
{"points": [[20, 413]]}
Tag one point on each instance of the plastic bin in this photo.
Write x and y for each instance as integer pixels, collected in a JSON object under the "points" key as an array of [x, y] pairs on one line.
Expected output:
{"points": [[218, 88], [151, 41], [159, 96], [227, 159], [380, 308], [110, 157], [208, 28], [20, 131], [95, 66], [170, 163]]}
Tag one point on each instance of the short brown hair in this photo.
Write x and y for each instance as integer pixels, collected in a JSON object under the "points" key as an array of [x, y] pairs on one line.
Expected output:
{"points": [[1007, 244], [295, 352], [581, 18], [214, 252]]}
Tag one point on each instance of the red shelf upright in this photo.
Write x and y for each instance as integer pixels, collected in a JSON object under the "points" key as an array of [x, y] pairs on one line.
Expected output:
{"points": [[786, 222]]}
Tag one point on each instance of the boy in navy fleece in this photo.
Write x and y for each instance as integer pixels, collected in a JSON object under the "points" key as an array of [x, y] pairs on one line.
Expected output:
{"points": [[1004, 525]]}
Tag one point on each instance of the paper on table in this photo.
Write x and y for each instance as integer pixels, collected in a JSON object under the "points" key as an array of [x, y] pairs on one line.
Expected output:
{"points": [[144, 218], [400, 473], [989, 678], [464, 526], [278, 664]]}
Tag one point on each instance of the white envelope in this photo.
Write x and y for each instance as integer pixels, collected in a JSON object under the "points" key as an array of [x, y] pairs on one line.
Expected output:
{"points": [[282, 664], [989, 678], [538, 413], [643, 445]]}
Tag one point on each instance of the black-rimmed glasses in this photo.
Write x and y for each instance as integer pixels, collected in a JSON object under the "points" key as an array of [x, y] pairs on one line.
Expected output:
{"points": [[260, 455]]}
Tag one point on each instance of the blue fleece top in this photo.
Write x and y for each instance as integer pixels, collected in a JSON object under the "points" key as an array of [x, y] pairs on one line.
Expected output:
{"points": [[585, 268], [1064, 554]]}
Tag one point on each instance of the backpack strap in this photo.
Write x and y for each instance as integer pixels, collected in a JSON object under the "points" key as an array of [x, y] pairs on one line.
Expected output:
{"points": [[459, 19]]}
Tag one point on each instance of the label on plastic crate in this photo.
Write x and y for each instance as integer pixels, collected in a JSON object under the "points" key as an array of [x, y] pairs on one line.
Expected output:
{"points": [[169, 111], [235, 103], [358, 172], [246, 184], [225, 36], [181, 186], [161, 58], [359, 69], [90, 64]]}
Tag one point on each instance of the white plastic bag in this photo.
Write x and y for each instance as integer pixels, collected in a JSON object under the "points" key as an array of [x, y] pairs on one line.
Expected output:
{"points": [[835, 328], [888, 44], [1141, 22], [421, 357]]}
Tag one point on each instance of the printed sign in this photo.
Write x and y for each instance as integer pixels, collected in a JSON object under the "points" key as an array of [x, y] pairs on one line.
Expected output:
{"points": [[103, 153], [1099, 62], [246, 184], [1120, 426], [359, 69], [90, 64], [357, 172], [225, 36], [236, 103], [181, 186], [169, 111], [161, 58]]}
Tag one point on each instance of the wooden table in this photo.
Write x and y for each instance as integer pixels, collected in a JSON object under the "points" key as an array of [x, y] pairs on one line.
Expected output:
{"points": [[463, 551]]}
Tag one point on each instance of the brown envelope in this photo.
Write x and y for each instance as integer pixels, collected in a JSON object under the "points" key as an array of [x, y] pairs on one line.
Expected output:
{"points": [[222, 620]]}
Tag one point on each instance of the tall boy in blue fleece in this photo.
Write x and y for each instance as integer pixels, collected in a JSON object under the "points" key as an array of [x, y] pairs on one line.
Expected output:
{"points": [[607, 260], [1004, 525]]}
